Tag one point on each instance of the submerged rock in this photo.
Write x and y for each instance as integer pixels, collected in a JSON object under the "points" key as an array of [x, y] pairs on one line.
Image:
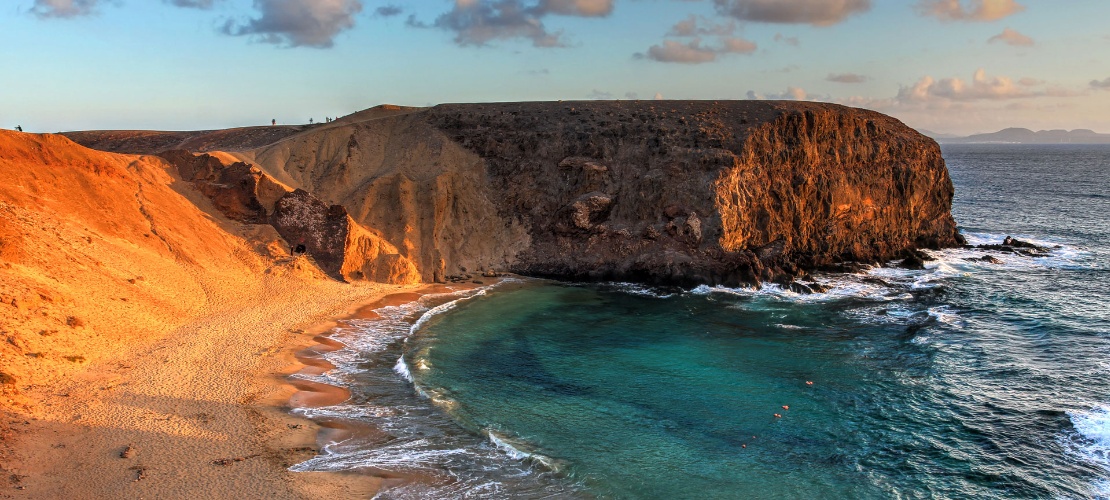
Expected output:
{"points": [[1015, 246]]}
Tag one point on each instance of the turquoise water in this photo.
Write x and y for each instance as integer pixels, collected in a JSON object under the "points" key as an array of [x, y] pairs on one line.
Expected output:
{"points": [[965, 380]]}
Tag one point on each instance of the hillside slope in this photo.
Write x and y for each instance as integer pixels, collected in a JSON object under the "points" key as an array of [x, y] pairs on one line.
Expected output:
{"points": [[129, 306]]}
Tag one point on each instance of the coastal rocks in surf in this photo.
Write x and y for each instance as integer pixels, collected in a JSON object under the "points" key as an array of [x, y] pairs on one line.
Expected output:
{"points": [[1013, 245]]}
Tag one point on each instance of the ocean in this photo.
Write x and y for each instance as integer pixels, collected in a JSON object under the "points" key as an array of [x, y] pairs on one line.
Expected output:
{"points": [[969, 379]]}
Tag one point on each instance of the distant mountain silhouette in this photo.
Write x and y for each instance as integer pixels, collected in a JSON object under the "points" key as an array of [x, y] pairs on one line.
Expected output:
{"points": [[1026, 136]]}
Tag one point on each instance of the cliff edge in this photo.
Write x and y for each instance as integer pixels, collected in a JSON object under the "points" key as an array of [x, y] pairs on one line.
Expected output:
{"points": [[664, 192]]}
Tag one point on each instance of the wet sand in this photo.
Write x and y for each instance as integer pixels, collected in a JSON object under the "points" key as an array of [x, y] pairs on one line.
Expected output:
{"points": [[309, 359]]}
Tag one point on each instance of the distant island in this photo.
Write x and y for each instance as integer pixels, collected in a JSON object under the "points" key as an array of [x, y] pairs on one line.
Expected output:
{"points": [[1024, 136]]}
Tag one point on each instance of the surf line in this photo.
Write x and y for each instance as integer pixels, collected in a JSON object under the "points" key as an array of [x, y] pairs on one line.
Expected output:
{"points": [[310, 378]]}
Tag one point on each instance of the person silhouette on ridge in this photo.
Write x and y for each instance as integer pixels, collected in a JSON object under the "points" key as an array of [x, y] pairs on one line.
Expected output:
{"points": [[18, 128]]}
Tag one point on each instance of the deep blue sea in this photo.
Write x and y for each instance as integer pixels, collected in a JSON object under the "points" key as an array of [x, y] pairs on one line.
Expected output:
{"points": [[969, 379]]}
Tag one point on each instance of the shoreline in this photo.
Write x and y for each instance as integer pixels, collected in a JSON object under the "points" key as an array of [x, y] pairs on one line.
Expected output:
{"points": [[200, 409], [308, 357]]}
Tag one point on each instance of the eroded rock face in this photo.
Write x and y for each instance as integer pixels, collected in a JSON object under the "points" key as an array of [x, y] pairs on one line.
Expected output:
{"points": [[705, 192], [668, 192], [240, 191], [340, 247]]}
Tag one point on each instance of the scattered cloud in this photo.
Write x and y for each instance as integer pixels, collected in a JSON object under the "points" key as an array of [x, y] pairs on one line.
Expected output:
{"points": [[1103, 84], [789, 40], [677, 52], [691, 27], [298, 23], [658, 96], [388, 11], [538, 72], [479, 22], [581, 8], [941, 93], [63, 9], [846, 78], [977, 10], [192, 4], [600, 95], [631, 95], [1012, 37], [980, 87], [815, 12], [790, 94], [693, 52]]}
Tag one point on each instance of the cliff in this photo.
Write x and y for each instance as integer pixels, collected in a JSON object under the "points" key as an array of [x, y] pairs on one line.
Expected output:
{"points": [[671, 192]]}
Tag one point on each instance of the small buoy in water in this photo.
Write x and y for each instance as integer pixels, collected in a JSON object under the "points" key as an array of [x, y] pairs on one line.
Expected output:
{"points": [[778, 416], [809, 382], [785, 407]]}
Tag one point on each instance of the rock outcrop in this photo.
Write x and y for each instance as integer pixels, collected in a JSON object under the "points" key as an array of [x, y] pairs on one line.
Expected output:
{"points": [[341, 247], [671, 192]]}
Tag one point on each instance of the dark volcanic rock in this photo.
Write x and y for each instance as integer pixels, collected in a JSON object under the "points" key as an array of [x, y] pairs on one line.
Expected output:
{"points": [[705, 192], [302, 219], [1015, 246], [242, 192], [339, 246]]}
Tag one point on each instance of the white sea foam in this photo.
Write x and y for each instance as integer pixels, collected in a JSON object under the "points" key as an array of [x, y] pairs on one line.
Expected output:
{"points": [[442, 308], [519, 450], [398, 456], [402, 369], [946, 315], [502, 443], [1093, 443], [639, 289]]}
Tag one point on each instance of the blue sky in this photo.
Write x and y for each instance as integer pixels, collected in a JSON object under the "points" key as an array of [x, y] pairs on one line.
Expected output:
{"points": [[959, 66]]}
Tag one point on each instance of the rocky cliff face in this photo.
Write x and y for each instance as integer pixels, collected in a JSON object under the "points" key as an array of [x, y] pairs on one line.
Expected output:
{"points": [[668, 192], [341, 247], [705, 192]]}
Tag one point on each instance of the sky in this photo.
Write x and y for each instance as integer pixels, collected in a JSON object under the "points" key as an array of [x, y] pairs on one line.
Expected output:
{"points": [[948, 66]]}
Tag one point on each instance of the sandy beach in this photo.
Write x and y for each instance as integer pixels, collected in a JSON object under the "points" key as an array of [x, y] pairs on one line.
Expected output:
{"points": [[145, 338], [200, 413]]}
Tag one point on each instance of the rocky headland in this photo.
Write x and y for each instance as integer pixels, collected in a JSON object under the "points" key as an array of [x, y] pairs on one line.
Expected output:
{"points": [[670, 192], [151, 281]]}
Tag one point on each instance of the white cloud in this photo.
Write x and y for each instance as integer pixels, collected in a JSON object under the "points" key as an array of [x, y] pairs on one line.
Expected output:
{"points": [[297, 23], [694, 51], [980, 87], [976, 10], [64, 8], [815, 12], [846, 78], [478, 22], [1012, 37], [790, 94]]}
